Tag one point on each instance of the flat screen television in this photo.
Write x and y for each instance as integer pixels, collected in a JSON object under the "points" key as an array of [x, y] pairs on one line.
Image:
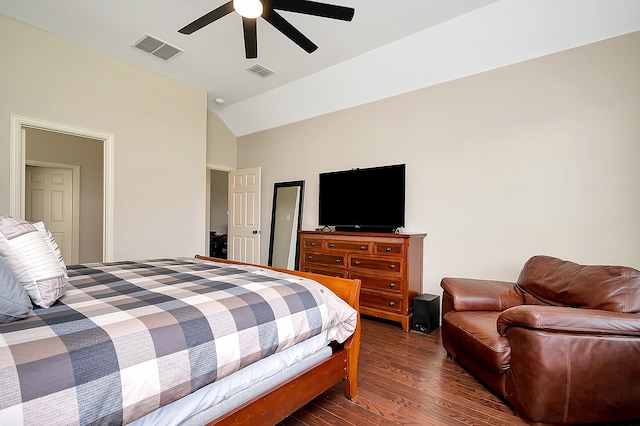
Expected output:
{"points": [[370, 199]]}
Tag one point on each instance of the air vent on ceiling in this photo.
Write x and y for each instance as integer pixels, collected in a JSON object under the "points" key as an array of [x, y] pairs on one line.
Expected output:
{"points": [[157, 47], [260, 70]]}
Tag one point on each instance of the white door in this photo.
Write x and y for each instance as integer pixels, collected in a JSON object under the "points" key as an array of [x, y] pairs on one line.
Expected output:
{"points": [[49, 198], [243, 239]]}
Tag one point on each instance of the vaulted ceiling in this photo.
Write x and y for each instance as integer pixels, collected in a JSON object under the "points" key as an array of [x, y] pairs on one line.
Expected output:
{"points": [[388, 48]]}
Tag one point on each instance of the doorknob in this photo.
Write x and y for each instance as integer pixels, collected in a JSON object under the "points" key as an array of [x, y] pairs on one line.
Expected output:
{"points": [[256, 231]]}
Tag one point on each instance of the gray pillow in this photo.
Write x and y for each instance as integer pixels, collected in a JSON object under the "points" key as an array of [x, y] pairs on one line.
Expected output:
{"points": [[14, 300]]}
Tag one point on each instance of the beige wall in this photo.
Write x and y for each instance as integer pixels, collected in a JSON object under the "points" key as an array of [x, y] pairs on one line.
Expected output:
{"points": [[87, 153], [539, 157], [159, 128], [221, 158], [221, 144]]}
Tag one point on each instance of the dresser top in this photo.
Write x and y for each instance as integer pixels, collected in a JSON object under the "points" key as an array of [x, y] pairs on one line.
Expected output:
{"points": [[364, 234]]}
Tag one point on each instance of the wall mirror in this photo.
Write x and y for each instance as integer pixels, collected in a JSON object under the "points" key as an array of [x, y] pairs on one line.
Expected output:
{"points": [[286, 220]]}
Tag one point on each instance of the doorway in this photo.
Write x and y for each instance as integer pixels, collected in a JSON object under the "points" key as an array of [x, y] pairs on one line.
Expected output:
{"points": [[245, 189], [99, 197], [218, 213], [44, 147], [241, 216]]}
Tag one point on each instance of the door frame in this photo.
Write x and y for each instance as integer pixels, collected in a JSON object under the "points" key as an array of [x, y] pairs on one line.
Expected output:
{"points": [[75, 223], [17, 152]]}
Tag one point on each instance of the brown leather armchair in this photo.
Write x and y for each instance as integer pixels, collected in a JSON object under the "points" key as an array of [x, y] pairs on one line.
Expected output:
{"points": [[561, 345]]}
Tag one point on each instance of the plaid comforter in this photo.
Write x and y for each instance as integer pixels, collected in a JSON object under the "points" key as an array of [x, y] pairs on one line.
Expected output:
{"points": [[129, 337]]}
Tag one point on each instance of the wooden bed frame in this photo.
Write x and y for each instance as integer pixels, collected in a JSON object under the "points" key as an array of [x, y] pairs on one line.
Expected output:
{"points": [[274, 405]]}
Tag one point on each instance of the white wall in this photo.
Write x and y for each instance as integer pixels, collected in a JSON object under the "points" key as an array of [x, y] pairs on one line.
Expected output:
{"points": [[539, 157], [159, 129]]}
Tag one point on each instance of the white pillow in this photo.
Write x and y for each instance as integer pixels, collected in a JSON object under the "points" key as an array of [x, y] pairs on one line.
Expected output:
{"points": [[51, 242], [32, 260]]}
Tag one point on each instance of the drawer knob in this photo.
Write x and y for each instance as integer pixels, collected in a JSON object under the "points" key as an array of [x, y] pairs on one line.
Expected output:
{"points": [[337, 260], [392, 266], [363, 247], [313, 244], [387, 249], [392, 303], [357, 262], [309, 257], [332, 245], [392, 285]]}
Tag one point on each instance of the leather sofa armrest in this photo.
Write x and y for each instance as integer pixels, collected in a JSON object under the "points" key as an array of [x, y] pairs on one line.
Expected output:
{"points": [[468, 294], [569, 320]]}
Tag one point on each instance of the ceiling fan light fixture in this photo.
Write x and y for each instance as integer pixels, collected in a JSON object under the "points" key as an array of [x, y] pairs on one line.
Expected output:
{"points": [[250, 9]]}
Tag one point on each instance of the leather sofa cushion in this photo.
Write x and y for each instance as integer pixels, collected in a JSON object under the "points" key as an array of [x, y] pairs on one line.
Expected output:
{"points": [[560, 319], [495, 295], [476, 332], [558, 282]]}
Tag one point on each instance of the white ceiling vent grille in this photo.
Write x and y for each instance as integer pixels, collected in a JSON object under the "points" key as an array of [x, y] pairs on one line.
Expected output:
{"points": [[157, 47], [260, 70]]}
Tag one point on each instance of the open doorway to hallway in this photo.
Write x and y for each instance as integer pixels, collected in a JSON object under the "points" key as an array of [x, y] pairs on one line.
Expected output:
{"points": [[218, 213], [50, 148], [18, 146]]}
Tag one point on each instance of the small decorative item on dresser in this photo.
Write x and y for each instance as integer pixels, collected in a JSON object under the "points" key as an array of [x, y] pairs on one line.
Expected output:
{"points": [[426, 313]]}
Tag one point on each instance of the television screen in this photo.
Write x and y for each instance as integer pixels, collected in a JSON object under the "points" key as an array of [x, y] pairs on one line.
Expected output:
{"points": [[363, 199]]}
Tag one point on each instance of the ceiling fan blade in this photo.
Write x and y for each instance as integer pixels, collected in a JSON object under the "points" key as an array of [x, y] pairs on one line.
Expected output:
{"points": [[314, 8], [250, 38], [289, 30], [205, 20]]}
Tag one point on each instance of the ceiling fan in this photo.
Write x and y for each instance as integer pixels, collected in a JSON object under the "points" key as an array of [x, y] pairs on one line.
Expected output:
{"points": [[251, 10]]}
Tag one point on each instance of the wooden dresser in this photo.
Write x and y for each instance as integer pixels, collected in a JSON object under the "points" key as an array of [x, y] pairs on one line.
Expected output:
{"points": [[389, 266]]}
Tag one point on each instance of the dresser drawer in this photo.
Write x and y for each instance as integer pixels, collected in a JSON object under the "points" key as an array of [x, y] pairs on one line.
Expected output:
{"points": [[351, 246], [311, 243], [385, 302], [386, 249], [335, 260], [387, 265], [390, 284], [324, 270]]}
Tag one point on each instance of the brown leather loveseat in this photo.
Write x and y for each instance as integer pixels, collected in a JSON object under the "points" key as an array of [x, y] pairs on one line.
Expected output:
{"points": [[561, 346]]}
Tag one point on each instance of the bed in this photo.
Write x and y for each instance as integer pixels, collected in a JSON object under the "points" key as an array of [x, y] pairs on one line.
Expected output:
{"points": [[151, 342]]}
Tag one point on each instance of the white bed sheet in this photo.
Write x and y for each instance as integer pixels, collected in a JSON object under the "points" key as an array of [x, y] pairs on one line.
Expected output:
{"points": [[218, 397]]}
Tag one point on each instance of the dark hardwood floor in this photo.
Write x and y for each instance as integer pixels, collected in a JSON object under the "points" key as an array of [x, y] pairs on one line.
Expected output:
{"points": [[406, 378]]}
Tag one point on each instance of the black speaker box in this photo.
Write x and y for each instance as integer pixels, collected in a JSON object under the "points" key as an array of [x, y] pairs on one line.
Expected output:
{"points": [[426, 313]]}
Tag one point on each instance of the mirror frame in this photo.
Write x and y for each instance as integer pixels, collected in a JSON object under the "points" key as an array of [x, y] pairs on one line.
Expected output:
{"points": [[276, 187]]}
